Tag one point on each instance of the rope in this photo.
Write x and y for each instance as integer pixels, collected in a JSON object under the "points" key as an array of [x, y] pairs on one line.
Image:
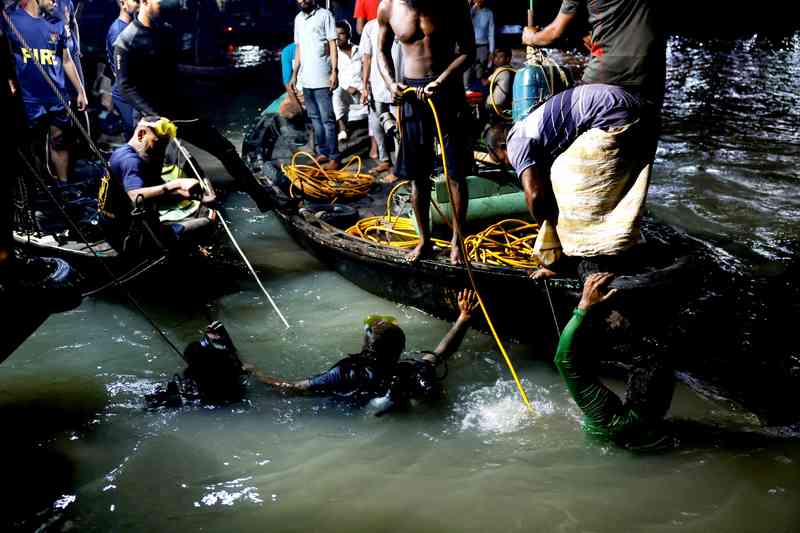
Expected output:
{"points": [[207, 189], [331, 185], [470, 274], [504, 114]]}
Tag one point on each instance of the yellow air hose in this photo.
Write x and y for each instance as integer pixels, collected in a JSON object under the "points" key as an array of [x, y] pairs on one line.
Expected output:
{"points": [[315, 182], [501, 113]]}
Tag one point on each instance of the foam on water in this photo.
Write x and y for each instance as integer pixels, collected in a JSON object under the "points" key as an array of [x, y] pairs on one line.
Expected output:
{"points": [[498, 408]]}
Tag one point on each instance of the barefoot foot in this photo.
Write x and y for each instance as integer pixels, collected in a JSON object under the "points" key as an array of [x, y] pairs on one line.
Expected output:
{"points": [[422, 251]]}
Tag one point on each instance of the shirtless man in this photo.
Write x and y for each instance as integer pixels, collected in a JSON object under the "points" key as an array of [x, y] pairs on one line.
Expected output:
{"points": [[438, 44]]}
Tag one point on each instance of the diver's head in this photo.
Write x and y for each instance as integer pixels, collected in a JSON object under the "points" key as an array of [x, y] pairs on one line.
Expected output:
{"points": [[383, 339], [496, 141], [343, 33], [152, 136], [307, 6]]}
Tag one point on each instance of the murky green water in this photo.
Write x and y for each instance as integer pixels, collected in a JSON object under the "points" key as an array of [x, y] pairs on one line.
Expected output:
{"points": [[81, 454]]}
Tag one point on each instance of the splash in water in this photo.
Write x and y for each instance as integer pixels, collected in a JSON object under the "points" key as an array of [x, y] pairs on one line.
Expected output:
{"points": [[498, 408]]}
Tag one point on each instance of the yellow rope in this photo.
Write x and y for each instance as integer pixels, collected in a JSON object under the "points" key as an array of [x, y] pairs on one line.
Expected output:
{"points": [[315, 182], [501, 113]]}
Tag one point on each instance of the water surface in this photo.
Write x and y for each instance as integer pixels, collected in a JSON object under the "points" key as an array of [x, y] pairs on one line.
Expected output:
{"points": [[83, 455]]}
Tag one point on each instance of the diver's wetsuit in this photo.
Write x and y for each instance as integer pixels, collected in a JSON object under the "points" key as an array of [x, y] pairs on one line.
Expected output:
{"points": [[605, 416], [146, 64], [358, 379]]}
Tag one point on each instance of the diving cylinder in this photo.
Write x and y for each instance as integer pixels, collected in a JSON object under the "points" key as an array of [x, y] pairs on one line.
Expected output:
{"points": [[534, 84]]}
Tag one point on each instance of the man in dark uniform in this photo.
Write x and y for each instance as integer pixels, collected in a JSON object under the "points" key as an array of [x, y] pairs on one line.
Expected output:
{"points": [[43, 64], [438, 43], [146, 62], [377, 372]]}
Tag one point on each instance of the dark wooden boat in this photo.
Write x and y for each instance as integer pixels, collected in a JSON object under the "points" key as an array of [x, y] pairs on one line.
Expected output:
{"points": [[676, 302]]}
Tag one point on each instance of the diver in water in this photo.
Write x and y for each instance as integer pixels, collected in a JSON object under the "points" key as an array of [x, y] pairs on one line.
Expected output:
{"points": [[377, 373], [636, 423], [214, 374]]}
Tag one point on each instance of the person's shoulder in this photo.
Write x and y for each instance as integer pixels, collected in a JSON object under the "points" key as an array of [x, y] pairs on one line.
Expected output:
{"points": [[127, 35], [124, 158]]}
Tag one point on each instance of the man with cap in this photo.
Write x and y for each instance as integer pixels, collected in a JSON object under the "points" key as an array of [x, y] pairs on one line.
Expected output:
{"points": [[135, 181], [377, 372]]}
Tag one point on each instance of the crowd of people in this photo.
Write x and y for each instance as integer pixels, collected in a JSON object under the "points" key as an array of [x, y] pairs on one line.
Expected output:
{"points": [[409, 53]]}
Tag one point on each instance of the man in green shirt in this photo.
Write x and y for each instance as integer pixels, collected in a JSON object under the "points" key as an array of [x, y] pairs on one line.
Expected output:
{"points": [[635, 423]]}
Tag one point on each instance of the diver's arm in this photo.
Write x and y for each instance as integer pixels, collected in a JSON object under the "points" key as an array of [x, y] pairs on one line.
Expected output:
{"points": [[282, 384], [72, 73], [550, 33], [452, 340], [598, 403]]}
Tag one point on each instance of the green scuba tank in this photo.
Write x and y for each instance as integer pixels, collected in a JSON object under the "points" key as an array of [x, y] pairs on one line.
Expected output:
{"points": [[534, 84]]}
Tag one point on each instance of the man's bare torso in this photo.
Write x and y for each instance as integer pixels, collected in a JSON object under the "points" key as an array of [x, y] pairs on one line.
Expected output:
{"points": [[427, 34]]}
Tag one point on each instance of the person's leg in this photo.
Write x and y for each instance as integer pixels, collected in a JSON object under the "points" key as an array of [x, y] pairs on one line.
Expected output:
{"points": [[206, 137], [310, 96], [421, 202], [59, 152], [376, 109], [459, 200], [328, 119], [125, 111], [341, 102]]}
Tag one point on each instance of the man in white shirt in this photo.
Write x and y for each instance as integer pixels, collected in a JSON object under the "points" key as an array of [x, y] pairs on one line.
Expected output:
{"points": [[350, 83], [376, 94], [317, 54]]}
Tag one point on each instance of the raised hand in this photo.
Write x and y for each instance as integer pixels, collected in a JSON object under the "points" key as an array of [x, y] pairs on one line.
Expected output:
{"points": [[593, 290]]}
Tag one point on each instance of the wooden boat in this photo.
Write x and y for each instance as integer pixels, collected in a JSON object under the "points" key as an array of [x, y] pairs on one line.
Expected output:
{"points": [[671, 301]]}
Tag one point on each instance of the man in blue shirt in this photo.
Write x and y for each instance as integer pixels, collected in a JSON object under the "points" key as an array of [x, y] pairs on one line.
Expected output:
{"points": [[43, 61], [127, 10], [292, 105], [64, 10], [136, 177]]}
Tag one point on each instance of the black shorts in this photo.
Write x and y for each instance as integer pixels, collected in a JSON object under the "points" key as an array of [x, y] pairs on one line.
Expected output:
{"points": [[416, 158]]}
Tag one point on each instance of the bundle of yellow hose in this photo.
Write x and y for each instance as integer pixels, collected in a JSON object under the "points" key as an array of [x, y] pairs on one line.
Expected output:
{"points": [[313, 181]]}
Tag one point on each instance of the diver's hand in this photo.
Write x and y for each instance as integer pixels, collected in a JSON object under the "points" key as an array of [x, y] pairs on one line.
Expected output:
{"points": [[593, 290], [398, 92], [467, 302]]}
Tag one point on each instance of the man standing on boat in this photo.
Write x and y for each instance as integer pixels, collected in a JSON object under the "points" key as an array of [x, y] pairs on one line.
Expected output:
{"points": [[136, 182], [375, 95], [438, 42], [483, 21], [43, 61], [628, 49], [583, 163], [127, 11], [365, 11], [145, 56], [316, 64]]}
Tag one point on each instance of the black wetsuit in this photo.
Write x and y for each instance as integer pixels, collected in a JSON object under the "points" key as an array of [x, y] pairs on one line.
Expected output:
{"points": [[359, 379], [147, 77]]}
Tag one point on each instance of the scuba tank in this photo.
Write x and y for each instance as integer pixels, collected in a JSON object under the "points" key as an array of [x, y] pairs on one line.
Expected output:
{"points": [[534, 83]]}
